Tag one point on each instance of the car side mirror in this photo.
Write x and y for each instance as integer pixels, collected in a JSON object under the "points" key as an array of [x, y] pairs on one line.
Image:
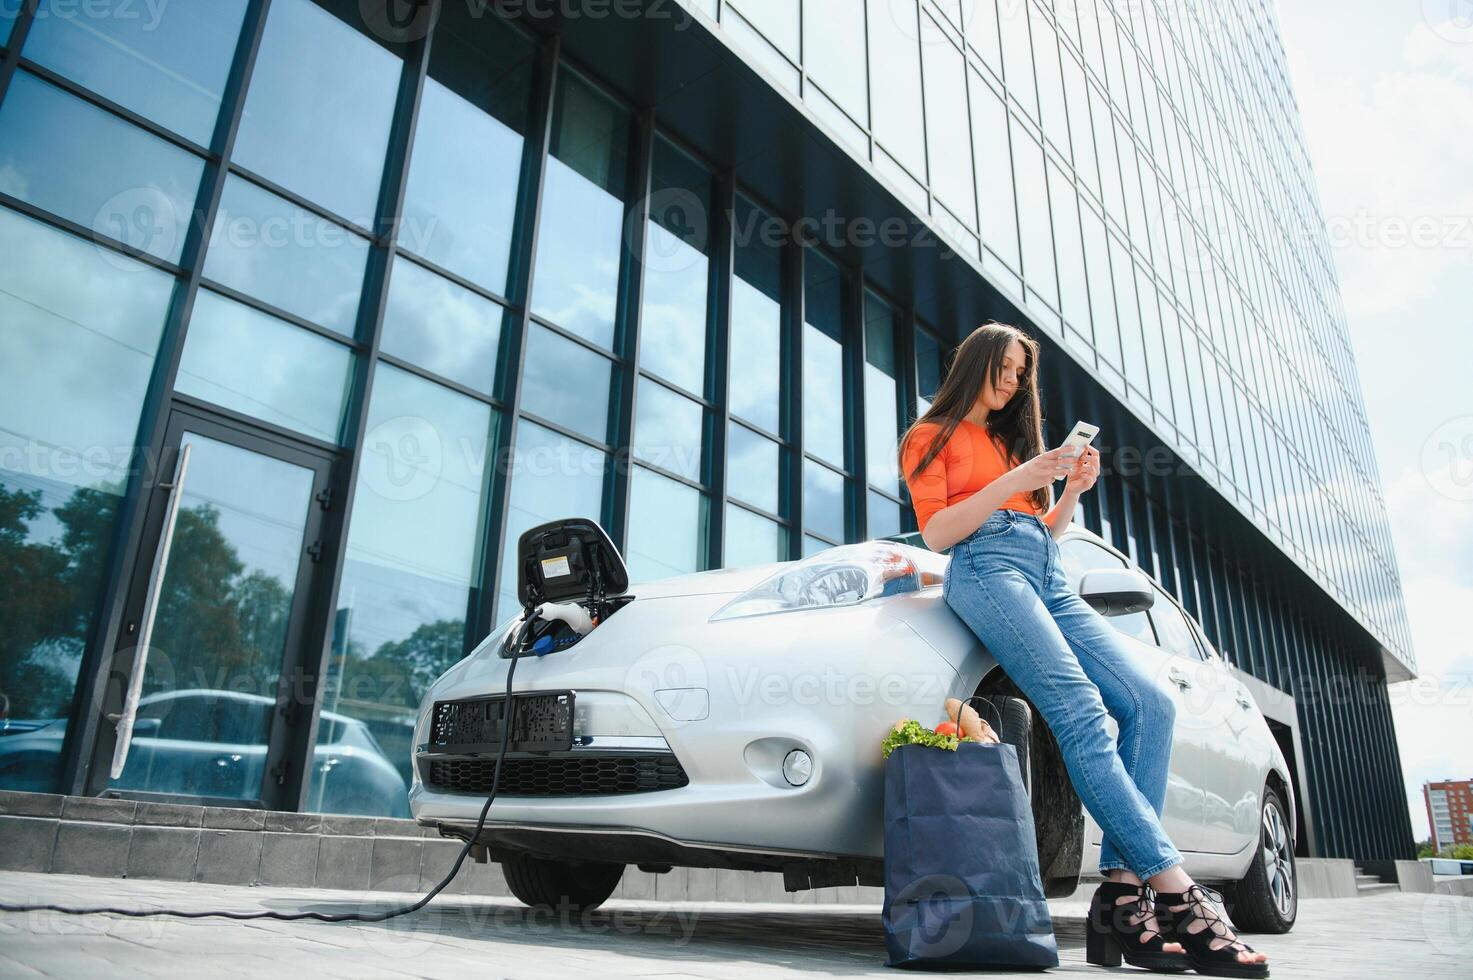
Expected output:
{"points": [[1116, 591]]}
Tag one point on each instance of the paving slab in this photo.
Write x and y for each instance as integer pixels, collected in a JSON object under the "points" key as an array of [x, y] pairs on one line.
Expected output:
{"points": [[1426, 935]]}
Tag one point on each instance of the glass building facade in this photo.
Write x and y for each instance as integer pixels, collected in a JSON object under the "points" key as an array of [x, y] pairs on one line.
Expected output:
{"points": [[375, 297]]}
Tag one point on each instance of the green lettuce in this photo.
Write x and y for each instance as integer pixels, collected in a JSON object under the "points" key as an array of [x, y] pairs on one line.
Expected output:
{"points": [[913, 732]]}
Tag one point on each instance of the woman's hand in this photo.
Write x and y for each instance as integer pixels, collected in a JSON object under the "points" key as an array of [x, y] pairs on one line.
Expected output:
{"points": [[1086, 470], [1042, 469]]}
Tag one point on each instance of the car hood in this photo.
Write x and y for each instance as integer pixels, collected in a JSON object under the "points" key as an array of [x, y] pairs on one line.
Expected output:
{"points": [[718, 581]]}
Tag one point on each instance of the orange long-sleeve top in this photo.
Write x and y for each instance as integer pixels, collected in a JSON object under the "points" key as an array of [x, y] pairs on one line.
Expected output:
{"points": [[968, 461]]}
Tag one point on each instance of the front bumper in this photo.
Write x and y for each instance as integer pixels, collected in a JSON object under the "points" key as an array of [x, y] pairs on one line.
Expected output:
{"points": [[726, 702]]}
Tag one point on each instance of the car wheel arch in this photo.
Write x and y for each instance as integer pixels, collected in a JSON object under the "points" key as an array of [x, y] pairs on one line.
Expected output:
{"points": [[1057, 810]]}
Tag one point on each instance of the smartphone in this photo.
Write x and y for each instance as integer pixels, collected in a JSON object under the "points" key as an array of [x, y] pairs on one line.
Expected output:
{"points": [[1080, 436]]}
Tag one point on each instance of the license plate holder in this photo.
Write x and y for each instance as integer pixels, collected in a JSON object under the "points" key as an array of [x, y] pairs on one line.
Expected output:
{"points": [[542, 722]]}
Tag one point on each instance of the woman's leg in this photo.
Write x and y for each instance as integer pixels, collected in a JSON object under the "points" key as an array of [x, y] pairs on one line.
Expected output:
{"points": [[1001, 604], [1144, 712]]}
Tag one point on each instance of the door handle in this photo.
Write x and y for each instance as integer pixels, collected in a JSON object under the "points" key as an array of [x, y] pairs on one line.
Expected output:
{"points": [[1179, 679], [1243, 702], [125, 718]]}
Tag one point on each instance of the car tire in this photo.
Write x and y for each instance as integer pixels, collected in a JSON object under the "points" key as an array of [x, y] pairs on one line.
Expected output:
{"points": [[572, 885], [1266, 899], [1017, 730]]}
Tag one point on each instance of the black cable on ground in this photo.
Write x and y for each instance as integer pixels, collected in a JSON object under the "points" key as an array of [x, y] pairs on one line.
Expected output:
{"points": [[329, 916]]}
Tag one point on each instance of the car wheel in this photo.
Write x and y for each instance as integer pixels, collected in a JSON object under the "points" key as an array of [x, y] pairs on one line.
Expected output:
{"points": [[572, 885], [1017, 731], [1267, 897]]}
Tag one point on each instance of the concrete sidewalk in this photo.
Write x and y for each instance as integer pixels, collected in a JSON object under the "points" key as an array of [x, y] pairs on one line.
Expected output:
{"points": [[1422, 935]]}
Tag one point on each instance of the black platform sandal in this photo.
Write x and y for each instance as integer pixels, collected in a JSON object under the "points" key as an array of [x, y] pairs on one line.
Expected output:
{"points": [[1220, 962], [1111, 934]]}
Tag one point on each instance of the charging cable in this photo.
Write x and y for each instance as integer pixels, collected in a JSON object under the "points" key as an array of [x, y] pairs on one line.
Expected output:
{"points": [[522, 648]]}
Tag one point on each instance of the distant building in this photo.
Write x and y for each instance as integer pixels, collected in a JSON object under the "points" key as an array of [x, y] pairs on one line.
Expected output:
{"points": [[1450, 812]]}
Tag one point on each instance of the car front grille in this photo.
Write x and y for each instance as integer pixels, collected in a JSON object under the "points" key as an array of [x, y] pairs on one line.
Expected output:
{"points": [[583, 774]]}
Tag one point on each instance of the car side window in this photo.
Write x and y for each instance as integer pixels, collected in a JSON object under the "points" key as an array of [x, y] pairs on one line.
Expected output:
{"points": [[241, 722], [183, 719], [1171, 626], [1079, 556]]}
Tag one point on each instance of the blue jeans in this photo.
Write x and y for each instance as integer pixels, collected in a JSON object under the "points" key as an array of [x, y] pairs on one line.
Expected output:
{"points": [[1005, 582]]}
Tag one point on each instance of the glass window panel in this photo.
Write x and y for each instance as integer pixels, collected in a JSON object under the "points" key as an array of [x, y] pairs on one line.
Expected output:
{"points": [[81, 328], [167, 62], [1131, 178], [829, 113], [994, 173], [760, 51], [672, 339], [667, 527], [895, 56], [812, 545], [1155, 349], [1110, 42], [1175, 368], [460, 201], [1104, 128], [1171, 627], [1081, 136], [928, 369], [1073, 284], [884, 516], [750, 539], [751, 467], [1101, 294], [1017, 51], [566, 383], [581, 234], [756, 318], [1033, 213], [834, 52], [552, 477], [948, 133], [263, 367], [1050, 83], [8, 13], [82, 163], [776, 19], [982, 33], [412, 566], [881, 395], [823, 500], [76, 350], [1129, 312], [268, 248], [1089, 34], [442, 327], [667, 429], [823, 367], [318, 112], [1216, 411]]}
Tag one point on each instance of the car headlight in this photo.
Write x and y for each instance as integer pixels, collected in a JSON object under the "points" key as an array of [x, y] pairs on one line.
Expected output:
{"points": [[839, 576]]}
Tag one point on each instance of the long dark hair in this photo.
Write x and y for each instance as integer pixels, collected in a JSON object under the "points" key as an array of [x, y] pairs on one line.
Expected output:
{"points": [[1018, 427]]}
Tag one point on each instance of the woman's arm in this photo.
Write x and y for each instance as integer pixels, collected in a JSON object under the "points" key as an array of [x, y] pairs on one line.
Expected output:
{"points": [[951, 524], [1081, 477], [1062, 512]]}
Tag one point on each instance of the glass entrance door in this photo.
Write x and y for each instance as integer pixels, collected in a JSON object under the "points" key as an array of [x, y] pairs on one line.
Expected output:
{"points": [[220, 590]]}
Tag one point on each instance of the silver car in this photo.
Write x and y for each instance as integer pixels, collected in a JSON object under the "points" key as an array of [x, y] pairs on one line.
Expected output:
{"points": [[734, 718]]}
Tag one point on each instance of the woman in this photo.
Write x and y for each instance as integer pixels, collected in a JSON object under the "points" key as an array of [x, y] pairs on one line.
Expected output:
{"points": [[981, 485]]}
